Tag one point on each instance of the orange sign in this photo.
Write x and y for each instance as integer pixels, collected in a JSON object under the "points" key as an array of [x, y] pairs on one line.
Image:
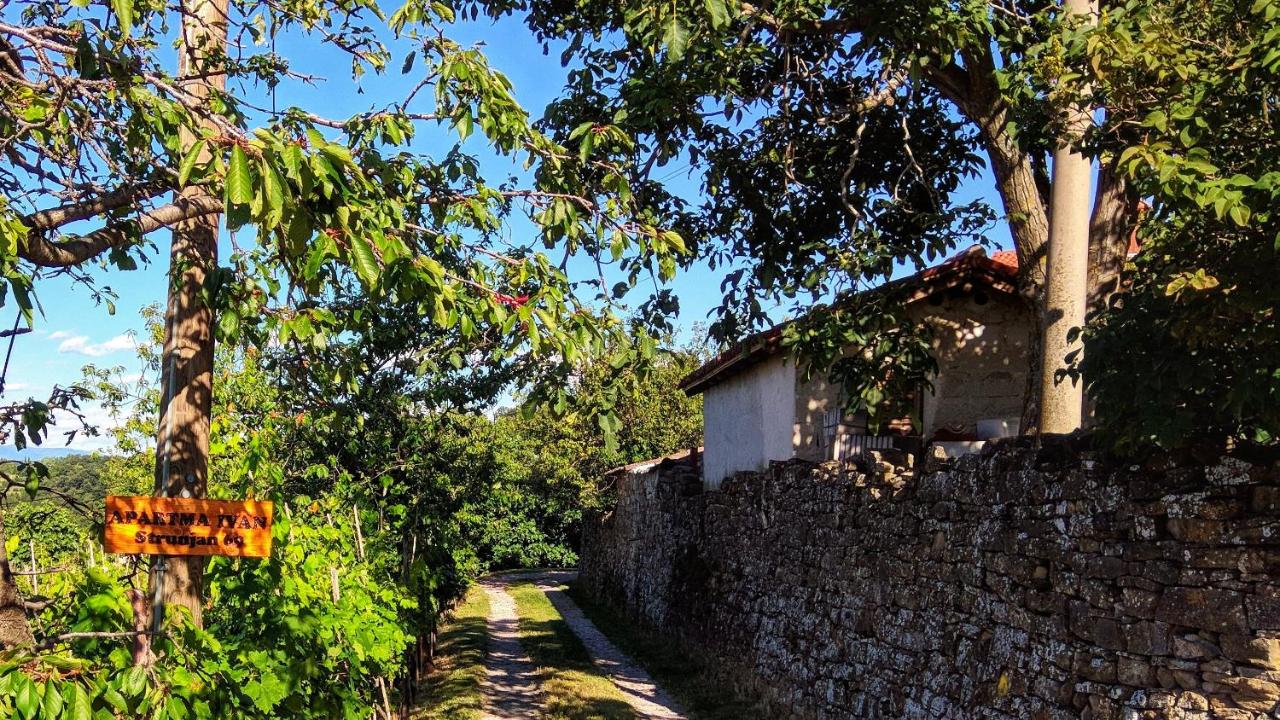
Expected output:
{"points": [[188, 526]]}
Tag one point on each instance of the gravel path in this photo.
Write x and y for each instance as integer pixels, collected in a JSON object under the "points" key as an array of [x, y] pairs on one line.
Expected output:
{"points": [[649, 701], [511, 686]]}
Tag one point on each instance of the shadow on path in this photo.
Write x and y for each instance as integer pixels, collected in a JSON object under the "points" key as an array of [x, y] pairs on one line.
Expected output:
{"points": [[511, 690], [649, 701], [511, 686]]}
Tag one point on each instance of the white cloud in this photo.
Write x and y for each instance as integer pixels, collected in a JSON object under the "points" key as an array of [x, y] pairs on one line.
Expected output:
{"points": [[80, 344], [59, 334], [95, 415]]}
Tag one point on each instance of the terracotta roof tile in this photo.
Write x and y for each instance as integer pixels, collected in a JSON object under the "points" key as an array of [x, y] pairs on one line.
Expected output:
{"points": [[1006, 257]]}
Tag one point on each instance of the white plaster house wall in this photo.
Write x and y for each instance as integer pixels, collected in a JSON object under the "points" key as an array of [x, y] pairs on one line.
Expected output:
{"points": [[749, 420]]}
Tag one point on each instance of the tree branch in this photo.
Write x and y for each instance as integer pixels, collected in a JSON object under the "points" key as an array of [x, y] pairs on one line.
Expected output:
{"points": [[85, 209], [952, 81], [833, 26], [49, 253]]}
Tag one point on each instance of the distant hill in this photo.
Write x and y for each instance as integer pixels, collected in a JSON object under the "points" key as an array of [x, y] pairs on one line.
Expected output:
{"points": [[38, 453], [79, 477]]}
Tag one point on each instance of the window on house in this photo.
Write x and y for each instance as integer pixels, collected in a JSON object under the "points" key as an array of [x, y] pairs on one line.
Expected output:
{"points": [[830, 426]]}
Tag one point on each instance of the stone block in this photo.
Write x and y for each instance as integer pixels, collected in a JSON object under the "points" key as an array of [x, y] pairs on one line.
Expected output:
{"points": [[1147, 638], [1264, 500], [1203, 608], [1261, 652], [1196, 530], [1264, 611], [1192, 647], [1250, 693], [1134, 671]]}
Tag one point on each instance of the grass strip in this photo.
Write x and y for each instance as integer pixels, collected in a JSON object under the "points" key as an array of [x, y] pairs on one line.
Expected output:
{"points": [[453, 690], [687, 680], [573, 688]]}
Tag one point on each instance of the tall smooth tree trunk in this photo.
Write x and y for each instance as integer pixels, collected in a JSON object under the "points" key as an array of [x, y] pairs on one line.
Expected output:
{"points": [[182, 443], [1067, 269], [15, 630]]}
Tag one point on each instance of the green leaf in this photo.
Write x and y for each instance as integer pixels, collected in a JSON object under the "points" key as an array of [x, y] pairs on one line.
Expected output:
{"points": [[52, 706], [464, 123], [676, 38], [115, 699], [26, 698], [135, 680], [239, 180], [229, 324], [81, 708], [267, 692], [609, 423], [176, 708], [124, 12], [718, 11], [337, 153], [189, 162], [273, 191], [1157, 119], [292, 158], [363, 261]]}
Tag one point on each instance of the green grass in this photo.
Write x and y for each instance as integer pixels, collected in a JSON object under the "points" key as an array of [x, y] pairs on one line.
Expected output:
{"points": [[572, 687], [454, 689], [702, 697]]}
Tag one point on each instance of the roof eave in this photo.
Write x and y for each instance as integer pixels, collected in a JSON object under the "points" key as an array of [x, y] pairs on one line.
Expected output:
{"points": [[994, 275]]}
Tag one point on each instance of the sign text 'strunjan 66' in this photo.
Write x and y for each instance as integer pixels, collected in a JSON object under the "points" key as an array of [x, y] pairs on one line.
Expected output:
{"points": [[188, 526]]}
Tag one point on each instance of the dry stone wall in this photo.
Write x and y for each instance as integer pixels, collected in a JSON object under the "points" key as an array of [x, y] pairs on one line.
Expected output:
{"points": [[1021, 583]]}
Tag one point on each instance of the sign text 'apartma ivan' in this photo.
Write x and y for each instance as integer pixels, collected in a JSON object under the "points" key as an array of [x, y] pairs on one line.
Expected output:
{"points": [[188, 526]]}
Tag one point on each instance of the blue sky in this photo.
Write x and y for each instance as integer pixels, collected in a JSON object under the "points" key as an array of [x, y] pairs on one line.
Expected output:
{"points": [[74, 331]]}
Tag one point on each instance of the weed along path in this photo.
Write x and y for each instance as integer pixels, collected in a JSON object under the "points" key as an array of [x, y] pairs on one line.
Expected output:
{"points": [[545, 659]]}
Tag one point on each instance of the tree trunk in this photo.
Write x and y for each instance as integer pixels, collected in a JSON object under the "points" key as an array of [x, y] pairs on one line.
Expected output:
{"points": [[182, 444], [1067, 268], [1022, 191], [1024, 188], [1115, 218], [15, 631]]}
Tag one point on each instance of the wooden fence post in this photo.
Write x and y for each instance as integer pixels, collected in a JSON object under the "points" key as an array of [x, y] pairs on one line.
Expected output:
{"points": [[355, 515]]}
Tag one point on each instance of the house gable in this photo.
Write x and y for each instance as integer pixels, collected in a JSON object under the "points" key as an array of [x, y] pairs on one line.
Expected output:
{"points": [[757, 408]]}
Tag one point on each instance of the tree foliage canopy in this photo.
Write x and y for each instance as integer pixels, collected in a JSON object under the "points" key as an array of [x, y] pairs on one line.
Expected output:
{"points": [[106, 142], [1191, 352], [832, 138]]}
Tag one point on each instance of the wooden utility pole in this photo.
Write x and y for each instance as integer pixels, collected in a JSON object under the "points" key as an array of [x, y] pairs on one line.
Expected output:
{"points": [[1067, 270], [182, 440]]}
